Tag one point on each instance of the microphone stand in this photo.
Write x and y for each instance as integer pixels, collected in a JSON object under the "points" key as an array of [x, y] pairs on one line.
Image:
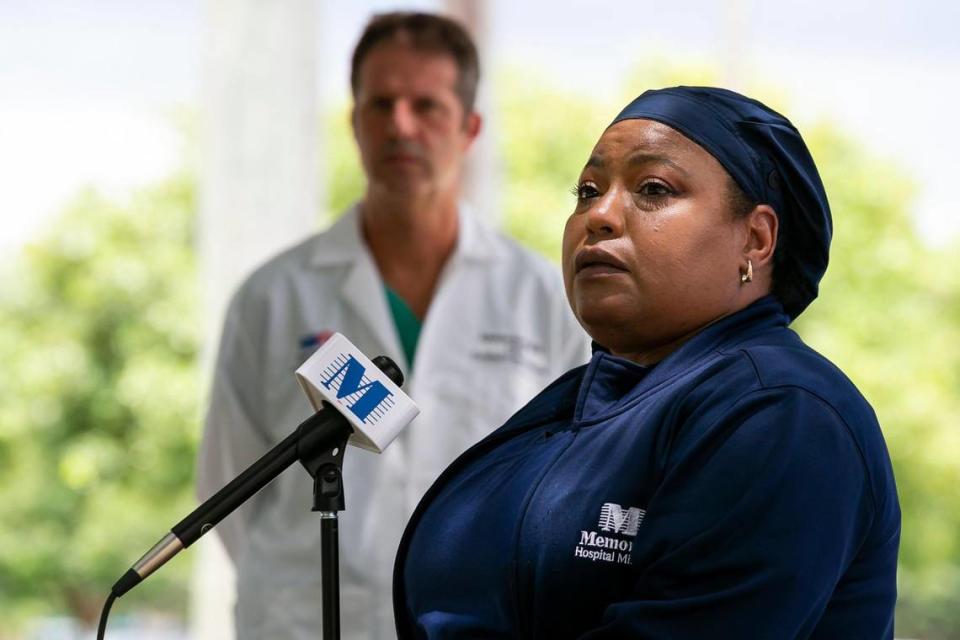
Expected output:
{"points": [[318, 443], [323, 460], [325, 465]]}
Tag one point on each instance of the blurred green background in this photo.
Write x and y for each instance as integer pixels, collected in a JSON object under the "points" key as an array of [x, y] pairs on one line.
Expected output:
{"points": [[100, 383]]}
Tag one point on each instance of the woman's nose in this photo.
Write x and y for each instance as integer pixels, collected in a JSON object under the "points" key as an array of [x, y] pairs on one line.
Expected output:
{"points": [[605, 217]]}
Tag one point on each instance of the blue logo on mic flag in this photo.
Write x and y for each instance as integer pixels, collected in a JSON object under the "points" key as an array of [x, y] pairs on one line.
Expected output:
{"points": [[367, 398], [340, 374]]}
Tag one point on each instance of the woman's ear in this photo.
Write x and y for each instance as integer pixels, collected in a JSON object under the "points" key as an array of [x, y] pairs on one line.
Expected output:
{"points": [[762, 226]]}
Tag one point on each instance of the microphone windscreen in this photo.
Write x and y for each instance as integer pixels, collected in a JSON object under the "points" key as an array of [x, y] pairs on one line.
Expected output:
{"points": [[342, 375]]}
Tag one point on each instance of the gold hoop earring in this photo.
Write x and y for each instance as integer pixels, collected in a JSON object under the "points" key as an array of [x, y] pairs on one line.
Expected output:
{"points": [[748, 276]]}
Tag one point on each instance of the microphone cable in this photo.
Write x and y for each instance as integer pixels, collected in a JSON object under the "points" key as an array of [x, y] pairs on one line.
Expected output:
{"points": [[102, 627]]}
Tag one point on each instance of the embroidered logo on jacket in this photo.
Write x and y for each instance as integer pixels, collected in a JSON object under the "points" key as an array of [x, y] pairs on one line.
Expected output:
{"points": [[616, 520]]}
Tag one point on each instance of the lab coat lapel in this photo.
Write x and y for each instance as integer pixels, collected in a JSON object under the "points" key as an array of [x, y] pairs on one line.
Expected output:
{"points": [[361, 289], [475, 244]]}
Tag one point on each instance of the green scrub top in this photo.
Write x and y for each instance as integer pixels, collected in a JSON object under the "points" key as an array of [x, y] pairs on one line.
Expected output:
{"points": [[407, 323]]}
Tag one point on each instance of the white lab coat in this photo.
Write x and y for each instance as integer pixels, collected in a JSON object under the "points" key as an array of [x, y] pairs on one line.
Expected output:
{"points": [[498, 330]]}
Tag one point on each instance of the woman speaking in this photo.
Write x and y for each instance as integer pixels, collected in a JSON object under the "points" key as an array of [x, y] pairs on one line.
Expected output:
{"points": [[706, 474]]}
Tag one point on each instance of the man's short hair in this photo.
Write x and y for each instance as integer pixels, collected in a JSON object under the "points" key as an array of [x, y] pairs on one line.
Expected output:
{"points": [[424, 32]]}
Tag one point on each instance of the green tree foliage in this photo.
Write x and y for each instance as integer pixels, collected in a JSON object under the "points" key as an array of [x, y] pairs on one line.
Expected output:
{"points": [[98, 402], [344, 180], [545, 138], [888, 316]]}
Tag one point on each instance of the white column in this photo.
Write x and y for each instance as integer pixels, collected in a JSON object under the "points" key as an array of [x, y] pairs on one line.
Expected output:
{"points": [[259, 189], [259, 173], [735, 39], [482, 179]]}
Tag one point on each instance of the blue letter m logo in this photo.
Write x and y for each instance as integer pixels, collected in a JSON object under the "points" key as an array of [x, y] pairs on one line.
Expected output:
{"points": [[369, 394]]}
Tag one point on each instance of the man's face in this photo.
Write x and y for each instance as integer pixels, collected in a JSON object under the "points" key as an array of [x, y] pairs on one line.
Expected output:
{"points": [[408, 120]]}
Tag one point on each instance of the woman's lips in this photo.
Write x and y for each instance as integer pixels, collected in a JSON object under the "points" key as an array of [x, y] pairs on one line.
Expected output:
{"points": [[597, 262], [599, 270]]}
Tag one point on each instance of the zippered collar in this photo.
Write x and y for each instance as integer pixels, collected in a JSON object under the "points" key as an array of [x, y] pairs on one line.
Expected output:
{"points": [[609, 381], [594, 391]]}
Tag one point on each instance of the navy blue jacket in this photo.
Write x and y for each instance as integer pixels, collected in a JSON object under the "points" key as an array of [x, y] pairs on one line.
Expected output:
{"points": [[741, 488]]}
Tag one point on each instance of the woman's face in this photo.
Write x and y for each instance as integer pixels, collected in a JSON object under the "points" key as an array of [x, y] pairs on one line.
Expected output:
{"points": [[652, 252]]}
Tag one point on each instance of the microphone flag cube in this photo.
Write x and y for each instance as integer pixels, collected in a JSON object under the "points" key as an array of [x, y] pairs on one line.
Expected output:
{"points": [[342, 375]]}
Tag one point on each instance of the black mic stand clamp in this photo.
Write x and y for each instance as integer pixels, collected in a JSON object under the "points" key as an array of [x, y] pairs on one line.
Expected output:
{"points": [[325, 465]]}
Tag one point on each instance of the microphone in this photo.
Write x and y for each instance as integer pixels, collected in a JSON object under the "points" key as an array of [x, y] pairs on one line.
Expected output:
{"points": [[351, 395]]}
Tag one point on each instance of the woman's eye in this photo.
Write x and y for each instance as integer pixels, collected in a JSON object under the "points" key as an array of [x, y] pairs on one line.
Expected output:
{"points": [[654, 188], [585, 191]]}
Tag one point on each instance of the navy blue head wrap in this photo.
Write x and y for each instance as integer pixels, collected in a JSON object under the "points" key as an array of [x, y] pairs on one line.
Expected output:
{"points": [[766, 156]]}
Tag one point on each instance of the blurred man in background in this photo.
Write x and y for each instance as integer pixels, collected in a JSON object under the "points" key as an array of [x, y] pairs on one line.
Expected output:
{"points": [[477, 323]]}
